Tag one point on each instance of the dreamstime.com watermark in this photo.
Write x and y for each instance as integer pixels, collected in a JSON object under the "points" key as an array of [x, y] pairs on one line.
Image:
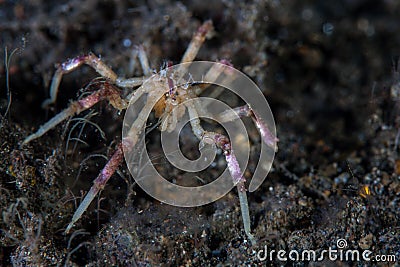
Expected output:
{"points": [[338, 254]]}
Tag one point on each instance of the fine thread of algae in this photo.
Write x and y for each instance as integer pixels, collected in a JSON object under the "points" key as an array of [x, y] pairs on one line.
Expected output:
{"points": [[7, 61]]}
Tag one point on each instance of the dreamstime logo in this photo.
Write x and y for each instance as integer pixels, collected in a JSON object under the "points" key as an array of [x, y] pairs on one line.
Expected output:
{"points": [[313, 255], [341, 253], [199, 74]]}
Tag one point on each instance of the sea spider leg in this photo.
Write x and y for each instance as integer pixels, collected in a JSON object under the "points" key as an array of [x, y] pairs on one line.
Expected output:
{"points": [[93, 61], [98, 184], [246, 111], [144, 61], [87, 102], [243, 111], [127, 144], [107, 91], [233, 166], [194, 46], [196, 42]]}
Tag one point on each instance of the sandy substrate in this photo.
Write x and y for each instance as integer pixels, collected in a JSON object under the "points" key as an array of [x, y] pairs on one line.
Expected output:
{"points": [[329, 70]]}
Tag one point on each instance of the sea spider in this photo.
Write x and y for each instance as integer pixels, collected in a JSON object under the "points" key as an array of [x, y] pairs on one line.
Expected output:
{"points": [[172, 94]]}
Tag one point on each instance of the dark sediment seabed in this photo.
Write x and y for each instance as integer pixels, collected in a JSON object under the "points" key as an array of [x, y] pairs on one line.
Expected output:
{"points": [[329, 70]]}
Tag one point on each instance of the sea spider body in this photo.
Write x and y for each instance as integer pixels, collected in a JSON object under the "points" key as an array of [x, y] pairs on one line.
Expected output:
{"points": [[163, 94]]}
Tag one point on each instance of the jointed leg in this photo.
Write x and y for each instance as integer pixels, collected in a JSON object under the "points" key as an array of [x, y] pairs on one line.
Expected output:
{"points": [[87, 102], [193, 48], [138, 52], [99, 66], [107, 91], [246, 111], [127, 144], [233, 166], [198, 39], [144, 61], [98, 184], [73, 64]]}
